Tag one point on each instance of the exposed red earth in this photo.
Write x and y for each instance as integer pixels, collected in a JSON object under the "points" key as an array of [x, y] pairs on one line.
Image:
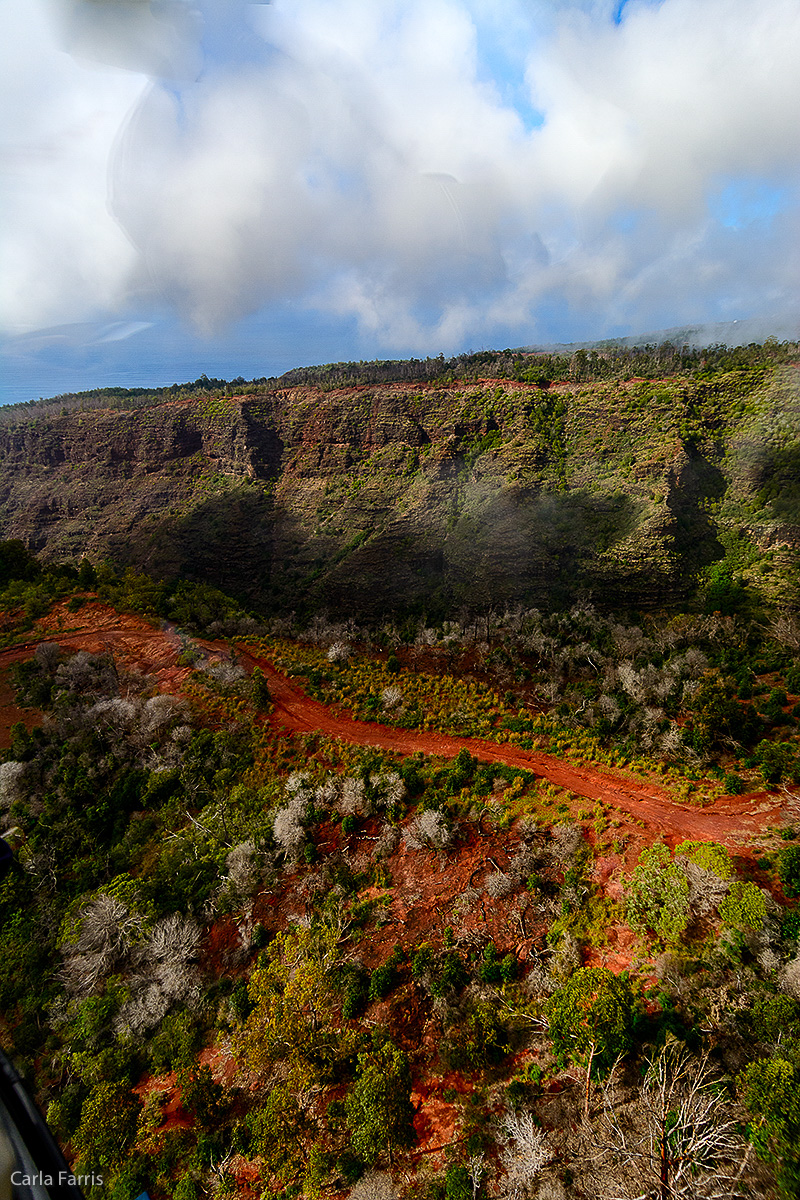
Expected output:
{"points": [[731, 820], [425, 886]]}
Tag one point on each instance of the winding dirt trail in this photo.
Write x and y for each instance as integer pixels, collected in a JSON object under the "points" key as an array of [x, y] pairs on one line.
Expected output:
{"points": [[732, 820]]}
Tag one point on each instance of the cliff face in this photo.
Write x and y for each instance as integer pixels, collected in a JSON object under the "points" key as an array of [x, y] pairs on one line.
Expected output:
{"points": [[382, 497]]}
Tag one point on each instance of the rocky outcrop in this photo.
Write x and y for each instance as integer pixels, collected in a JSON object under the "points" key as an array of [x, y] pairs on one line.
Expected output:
{"points": [[375, 498]]}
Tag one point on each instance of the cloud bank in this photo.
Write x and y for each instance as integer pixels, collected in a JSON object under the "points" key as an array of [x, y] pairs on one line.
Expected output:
{"points": [[438, 170]]}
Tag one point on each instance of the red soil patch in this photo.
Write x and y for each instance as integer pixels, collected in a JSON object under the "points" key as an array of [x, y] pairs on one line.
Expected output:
{"points": [[435, 1121], [425, 887], [139, 645], [10, 714], [173, 1116]]}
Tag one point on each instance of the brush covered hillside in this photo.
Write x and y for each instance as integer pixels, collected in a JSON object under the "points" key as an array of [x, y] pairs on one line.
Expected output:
{"points": [[451, 848], [439, 913], [630, 477]]}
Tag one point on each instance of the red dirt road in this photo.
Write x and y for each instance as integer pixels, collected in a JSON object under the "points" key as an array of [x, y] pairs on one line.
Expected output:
{"points": [[732, 820]]}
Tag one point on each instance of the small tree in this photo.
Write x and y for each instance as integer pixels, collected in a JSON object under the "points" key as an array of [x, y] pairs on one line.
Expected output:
{"points": [[108, 1125], [658, 895], [281, 1133], [771, 1090], [678, 1139], [591, 1018], [292, 1018], [379, 1109], [201, 1096], [260, 690]]}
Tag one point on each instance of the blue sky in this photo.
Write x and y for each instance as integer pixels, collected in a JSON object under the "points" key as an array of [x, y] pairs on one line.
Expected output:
{"points": [[233, 188]]}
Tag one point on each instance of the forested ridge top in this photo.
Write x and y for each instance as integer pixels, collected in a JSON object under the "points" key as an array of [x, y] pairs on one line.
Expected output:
{"points": [[610, 361]]}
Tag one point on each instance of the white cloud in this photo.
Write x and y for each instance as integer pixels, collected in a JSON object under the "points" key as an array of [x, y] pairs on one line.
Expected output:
{"points": [[366, 158]]}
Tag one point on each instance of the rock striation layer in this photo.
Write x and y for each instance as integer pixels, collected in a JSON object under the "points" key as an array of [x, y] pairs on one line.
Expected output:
{"points": [[381, 498]]}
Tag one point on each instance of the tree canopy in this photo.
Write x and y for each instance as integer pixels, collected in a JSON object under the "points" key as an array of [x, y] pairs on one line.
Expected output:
{"points": [[592, 1016]]}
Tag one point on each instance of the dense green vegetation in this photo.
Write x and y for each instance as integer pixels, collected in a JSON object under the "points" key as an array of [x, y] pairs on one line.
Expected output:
{"points": [[149, 829]]}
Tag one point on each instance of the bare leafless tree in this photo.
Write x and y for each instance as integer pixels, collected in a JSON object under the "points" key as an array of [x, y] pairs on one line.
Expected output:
{"points": [[105, 931], [11, 778], [375, 1185], [677, 1138], [339, 652], [525, 1152], [163, 974], [429, 829], [789, 978], [242, 869], [287, 828], [353, 798], [475, 1173], [786, 630]]}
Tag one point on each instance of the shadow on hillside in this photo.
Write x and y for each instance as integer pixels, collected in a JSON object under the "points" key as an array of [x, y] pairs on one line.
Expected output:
{"points": [[225, 541]]}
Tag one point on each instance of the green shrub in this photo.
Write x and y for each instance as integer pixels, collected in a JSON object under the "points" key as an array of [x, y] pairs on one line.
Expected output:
{"points": [[508, 968], [770, 1089], [260, 690], [709, 855], [259, 937], [490, 969], [771, 1017], [789, 870], [592, 1015], [200, 1095], [658, 895], [174, 1044], [477, 1042], [775, 760], [422, 962], [452, 971], [185, 1189], [457, 1185], [354, 985], [744, 907], [382, 981], [790, 925]]}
